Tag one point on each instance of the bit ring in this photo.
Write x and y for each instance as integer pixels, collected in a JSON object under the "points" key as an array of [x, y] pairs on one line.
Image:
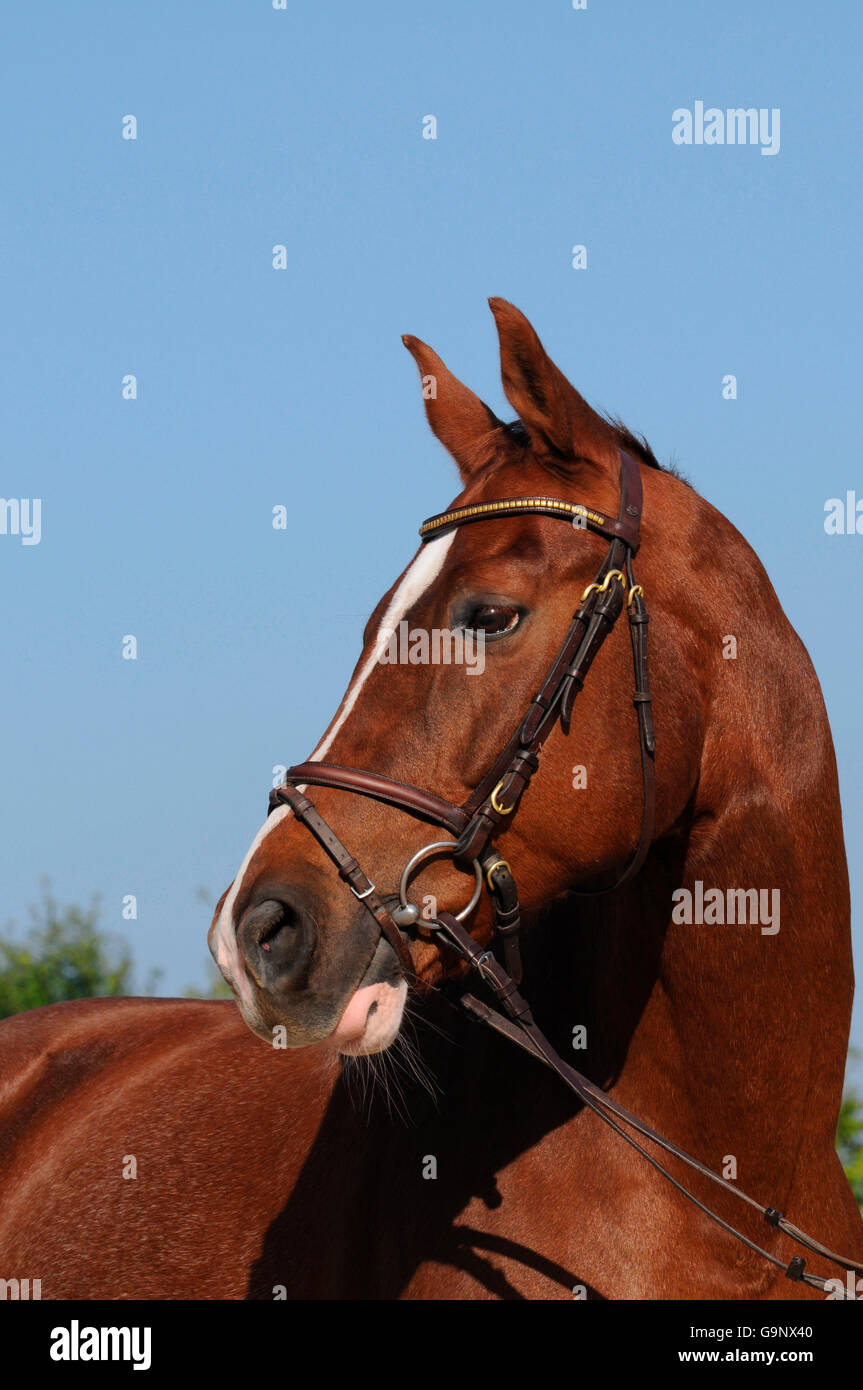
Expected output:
{"points": [[429, 852]]}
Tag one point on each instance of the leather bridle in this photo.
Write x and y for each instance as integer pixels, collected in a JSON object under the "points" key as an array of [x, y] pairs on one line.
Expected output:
{"points": [[492, 806]]}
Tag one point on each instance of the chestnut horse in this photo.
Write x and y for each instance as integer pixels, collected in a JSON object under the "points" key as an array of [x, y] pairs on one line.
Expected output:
{"points": [[379, 1143]]}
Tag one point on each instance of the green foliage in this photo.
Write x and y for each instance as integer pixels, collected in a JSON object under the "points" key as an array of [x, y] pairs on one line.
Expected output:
{"points": [[64, 954], [849, 1139]]}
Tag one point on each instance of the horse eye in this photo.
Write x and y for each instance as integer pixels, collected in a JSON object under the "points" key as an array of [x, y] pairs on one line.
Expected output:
{"points": [[493, 619]]}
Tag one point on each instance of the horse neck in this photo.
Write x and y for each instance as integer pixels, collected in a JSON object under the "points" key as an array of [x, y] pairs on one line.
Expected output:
{"points": [[708, 1032]]}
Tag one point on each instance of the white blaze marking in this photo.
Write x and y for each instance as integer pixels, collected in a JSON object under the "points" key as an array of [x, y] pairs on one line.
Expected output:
{"points": [[425, 568], [227, 954], [422, 572]]}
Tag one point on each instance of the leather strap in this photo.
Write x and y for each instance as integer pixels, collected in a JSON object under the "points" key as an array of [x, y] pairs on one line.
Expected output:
{"points": [[524, 1031], [511, 772], [424, 805], [507, 912], [624, 528], [348, 868]]}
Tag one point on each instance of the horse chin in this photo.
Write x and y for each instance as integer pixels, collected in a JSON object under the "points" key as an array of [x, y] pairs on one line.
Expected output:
{"points": [[371, 1021]]}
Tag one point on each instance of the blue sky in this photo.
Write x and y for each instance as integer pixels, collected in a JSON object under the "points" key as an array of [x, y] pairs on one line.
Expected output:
{"points": [[257, 387]]}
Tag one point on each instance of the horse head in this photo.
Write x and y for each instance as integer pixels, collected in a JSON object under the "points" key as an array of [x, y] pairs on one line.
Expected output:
{"points": [[297, 948]]}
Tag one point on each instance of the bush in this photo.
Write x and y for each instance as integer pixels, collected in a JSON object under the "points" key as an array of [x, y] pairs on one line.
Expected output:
{"points": [[66, 955], [849, 1138]]}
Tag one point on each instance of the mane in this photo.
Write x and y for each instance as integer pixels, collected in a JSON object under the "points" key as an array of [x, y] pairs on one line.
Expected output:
{"points": [[634, 444]]}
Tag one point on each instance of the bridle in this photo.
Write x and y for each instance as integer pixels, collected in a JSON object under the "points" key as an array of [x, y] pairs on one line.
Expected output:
{"points": [[493, 804]]}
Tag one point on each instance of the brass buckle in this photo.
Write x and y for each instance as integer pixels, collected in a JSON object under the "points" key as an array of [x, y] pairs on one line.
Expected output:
{"points": [[603, 588], [498, 864], [496, 805]]}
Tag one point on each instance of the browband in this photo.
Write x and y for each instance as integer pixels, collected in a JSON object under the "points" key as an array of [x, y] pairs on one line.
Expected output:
{"points": [[613, 528]]}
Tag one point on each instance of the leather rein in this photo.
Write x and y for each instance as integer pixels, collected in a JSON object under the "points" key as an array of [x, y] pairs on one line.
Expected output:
{"points": [[492, 806]]}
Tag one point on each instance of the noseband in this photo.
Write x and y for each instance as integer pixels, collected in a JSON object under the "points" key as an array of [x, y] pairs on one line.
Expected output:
{"points": [[492, 806]]}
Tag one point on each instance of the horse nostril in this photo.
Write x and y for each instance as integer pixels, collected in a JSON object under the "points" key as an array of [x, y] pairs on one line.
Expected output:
{"points": [[269, 933], [276, 939]]}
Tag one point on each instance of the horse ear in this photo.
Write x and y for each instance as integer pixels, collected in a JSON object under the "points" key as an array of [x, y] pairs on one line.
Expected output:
{"points": [[558, 420], [462, 422]]}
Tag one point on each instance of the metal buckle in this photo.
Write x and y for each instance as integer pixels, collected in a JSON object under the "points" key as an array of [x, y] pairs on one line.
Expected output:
{"points": [[498, 864], [603, 587], [496, 805], [366, 894]]}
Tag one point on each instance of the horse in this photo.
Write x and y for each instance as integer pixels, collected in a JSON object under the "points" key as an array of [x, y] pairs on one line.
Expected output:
{"points": [[348, 1130]]}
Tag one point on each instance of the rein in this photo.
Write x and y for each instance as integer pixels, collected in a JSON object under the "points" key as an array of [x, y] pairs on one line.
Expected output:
{"points": [[492, 806]]}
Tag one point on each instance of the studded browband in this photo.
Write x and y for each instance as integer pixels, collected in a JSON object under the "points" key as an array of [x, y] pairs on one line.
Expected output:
{"points": [[535, 506]]}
